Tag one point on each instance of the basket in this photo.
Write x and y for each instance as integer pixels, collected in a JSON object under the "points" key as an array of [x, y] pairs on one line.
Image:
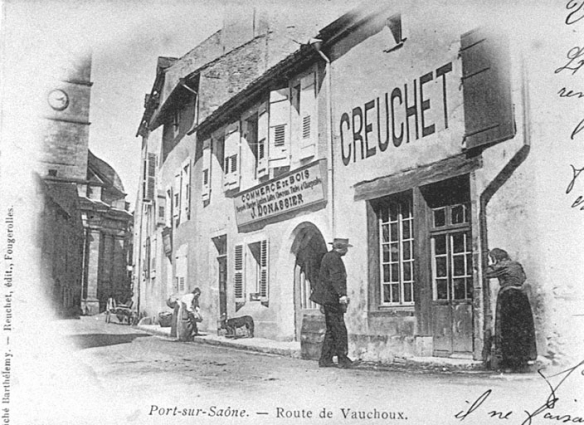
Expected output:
{"points": [[165, 319]]}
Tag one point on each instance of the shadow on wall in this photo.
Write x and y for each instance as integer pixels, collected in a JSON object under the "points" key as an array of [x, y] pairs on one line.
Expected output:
{"points": [[103, 340]]}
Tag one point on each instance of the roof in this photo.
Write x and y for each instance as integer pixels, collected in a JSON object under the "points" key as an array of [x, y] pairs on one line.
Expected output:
{"points": [[105, 172], [290, 65], [65, 195]]}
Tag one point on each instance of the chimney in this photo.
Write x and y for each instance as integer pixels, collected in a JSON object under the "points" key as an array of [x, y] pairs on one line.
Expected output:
{"points": [[241, 24]]}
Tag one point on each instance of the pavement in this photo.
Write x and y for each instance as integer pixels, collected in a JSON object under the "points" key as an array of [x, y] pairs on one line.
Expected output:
{"points": [[292, 349]]}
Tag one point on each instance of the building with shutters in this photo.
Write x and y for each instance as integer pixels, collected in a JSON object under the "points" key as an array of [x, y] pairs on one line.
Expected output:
{"points": [[415, 135]]}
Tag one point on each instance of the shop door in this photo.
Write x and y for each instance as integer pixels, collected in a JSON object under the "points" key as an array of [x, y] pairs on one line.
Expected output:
{"points": [[451, 258]]}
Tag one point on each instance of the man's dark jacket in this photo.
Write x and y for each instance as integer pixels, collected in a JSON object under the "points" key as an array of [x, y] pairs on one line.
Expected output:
{"points": [[332, 280]]}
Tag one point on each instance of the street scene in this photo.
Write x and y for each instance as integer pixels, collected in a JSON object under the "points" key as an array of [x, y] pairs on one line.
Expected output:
{"points": [[291, 212], [159, 374]]}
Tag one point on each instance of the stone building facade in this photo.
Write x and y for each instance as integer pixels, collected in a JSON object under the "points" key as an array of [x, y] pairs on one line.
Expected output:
{"points": [[420, 137], [85, 222]]}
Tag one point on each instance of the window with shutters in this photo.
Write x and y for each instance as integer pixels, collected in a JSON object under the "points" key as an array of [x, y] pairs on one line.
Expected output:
{"points": [[206, 173], [251, 272], [149, 178], [279, 129], [258, 271], [161, 204], [307, 110], [169, 207], [146, 259], [238, 276], [185, 178], [231, 173], [486, 83], [176, 199]]}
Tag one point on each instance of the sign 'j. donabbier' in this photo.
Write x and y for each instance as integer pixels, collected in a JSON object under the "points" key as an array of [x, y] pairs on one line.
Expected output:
{"points": [[292, 191]]}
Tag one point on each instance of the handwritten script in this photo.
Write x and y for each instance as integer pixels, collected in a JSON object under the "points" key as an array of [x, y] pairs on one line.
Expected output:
{"points": [[548, 410], [575, 61]]}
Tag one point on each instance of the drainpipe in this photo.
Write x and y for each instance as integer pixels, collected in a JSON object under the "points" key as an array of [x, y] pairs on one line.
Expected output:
{"points": [[317, 44], [499, 180]]}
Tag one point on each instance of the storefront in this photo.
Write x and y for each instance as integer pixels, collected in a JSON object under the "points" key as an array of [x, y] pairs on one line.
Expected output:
{"points": [[414, 144]]}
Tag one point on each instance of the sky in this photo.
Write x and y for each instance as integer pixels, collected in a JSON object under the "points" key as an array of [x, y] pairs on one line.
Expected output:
{"points": [[127, 37]]}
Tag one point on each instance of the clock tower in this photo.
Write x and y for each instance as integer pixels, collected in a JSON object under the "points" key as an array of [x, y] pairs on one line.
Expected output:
{"points": [[66, 118]]}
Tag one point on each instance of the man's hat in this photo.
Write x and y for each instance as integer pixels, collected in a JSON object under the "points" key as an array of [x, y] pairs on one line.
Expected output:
{"points": [[340, 243]]}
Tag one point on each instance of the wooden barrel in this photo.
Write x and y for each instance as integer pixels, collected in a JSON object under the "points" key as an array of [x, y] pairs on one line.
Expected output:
{"points": [[311, 335]]}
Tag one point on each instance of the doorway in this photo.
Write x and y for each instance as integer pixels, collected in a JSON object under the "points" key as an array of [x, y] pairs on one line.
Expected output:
{"points": [[451, 266], [221, 245], [309, 247]]}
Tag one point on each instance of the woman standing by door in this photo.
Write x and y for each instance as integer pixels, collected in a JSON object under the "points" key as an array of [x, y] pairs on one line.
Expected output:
{"points": [[514, 329]]}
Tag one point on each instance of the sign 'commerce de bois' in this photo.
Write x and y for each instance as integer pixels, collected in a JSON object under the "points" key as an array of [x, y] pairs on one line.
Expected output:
{"points": [[292, 191]]}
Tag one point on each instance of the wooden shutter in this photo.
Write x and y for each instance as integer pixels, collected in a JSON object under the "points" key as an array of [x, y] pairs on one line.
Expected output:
{"points": [[264, 272], [486, 81], [146, 259], [169, 209], [176, 199], [262, 140], [308, 115], [161, 210], [185, 177], [150, 177], [238, 275], [279, 132], [232, 157], [206, 176]]}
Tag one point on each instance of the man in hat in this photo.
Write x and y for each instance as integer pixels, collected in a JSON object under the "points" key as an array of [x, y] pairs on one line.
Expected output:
{"points": [[331, 293]]}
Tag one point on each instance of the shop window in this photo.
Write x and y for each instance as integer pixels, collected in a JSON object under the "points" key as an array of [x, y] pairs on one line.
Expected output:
{"points": [[395, 228]]}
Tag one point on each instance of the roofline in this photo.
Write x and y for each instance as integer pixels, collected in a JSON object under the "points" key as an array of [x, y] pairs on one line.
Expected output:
{"points": [[293, 63], [154, 119]]}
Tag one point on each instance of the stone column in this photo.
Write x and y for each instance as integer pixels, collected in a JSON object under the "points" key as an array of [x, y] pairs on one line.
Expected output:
{"points": [[91, 303]]}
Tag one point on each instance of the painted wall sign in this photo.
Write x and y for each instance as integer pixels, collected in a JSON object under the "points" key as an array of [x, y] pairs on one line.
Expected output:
{"points": [[292, 191], [400, 114]]}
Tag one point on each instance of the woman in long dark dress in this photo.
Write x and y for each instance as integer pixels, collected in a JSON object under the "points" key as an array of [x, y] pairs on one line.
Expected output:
{"points": [[514, 329]]}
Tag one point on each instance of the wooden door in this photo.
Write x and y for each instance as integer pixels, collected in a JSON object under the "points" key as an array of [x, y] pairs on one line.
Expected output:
{"points": [[452, 285]]}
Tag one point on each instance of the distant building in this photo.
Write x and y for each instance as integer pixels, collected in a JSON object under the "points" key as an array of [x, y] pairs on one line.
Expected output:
{"points": [[418, 137], [85, 222]]}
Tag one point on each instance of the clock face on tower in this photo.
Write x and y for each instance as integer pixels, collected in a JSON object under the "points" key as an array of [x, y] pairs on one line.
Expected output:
{"points": [[58, 100]]}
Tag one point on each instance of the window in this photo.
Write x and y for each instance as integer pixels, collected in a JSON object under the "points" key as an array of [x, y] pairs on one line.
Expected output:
{"points": [[251, 277], [161, 217], [149, 177], [185, 178], [396, 250], [231, 175], [451, 253], [176, 199], [450, 239], [206, 177], [279, 128], [307, 109]]}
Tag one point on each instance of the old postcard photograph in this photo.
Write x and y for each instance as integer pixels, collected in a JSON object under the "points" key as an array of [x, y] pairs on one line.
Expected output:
{"points": [[291, 212]]}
